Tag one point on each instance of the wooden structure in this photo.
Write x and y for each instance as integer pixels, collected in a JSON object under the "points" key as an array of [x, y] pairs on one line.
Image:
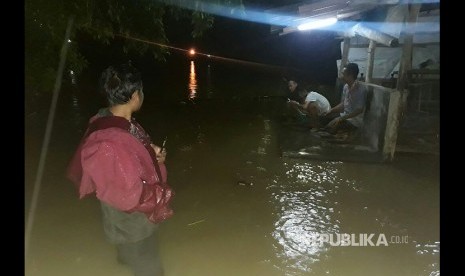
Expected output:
{"points": [[408, 78]]}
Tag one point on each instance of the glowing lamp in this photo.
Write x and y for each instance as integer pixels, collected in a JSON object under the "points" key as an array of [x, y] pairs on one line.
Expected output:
{"points": [[317, 23]]}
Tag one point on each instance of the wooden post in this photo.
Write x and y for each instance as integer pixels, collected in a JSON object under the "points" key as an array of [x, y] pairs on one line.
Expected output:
{"points": [[336, 94], [392, 124], [345, 54], [407, 50], [396, 98], [370, 61]]}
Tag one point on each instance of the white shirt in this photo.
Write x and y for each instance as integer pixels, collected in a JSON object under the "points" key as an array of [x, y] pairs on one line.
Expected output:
{"points": [[353, 100], [321, 102]]}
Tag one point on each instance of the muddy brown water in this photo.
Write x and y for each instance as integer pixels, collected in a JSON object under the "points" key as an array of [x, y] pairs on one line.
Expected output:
{"points": [[220, 133]]}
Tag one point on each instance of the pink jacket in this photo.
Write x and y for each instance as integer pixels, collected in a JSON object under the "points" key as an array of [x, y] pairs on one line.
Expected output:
{"points": [[121, 170]]}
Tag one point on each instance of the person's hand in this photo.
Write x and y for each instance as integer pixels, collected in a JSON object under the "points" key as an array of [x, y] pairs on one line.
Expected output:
{"points": [[329, 112], [335, 122], [161, 157], [294, 103], [161, 154]]}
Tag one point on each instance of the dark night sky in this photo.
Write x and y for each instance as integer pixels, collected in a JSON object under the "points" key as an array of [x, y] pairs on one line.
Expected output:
{"points": [[315, 53]]}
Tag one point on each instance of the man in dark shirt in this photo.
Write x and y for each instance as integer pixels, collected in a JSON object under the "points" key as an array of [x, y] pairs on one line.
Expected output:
{"points": [[294, 100], [293, 94]]}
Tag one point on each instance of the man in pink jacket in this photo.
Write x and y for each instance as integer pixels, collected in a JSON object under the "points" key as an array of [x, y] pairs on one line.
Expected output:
{"points": [[117, 161]]}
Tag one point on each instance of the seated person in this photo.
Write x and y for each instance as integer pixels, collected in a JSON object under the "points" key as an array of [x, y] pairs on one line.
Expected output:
{"points": [[314, 106], [293, 96], [347, 116], [294, 87]]}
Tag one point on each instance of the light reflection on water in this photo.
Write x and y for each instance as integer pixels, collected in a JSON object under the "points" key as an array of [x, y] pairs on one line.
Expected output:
{"points": [[304, 210], [192, 82], [309, 198], [303, 196], [429, 250]]}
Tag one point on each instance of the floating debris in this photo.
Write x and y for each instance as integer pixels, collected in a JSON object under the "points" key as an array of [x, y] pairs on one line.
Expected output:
{"points": [[185, 148], [196, 222], [244, 183]]}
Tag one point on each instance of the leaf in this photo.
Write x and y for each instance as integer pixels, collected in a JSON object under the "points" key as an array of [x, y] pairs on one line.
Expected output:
{"points": [[46, 20]]}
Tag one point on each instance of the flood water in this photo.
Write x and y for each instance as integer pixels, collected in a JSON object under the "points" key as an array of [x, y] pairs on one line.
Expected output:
{"points": [[222, 130]]}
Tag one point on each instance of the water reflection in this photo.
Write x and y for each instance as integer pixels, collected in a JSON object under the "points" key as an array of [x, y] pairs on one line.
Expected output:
{"points": [[304, 210], [430, 250], [77, 112], [265, 140], [306, 198], [192, 82], [76, 109], [209, 82]]}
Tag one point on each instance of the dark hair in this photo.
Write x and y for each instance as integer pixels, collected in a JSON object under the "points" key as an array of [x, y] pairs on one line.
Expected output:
{"points": [[352, 69], [119, 83], [292, 78], [301, 91]]}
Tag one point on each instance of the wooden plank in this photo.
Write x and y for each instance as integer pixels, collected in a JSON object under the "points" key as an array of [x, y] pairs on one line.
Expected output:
{"points": [[345, 54], [406, 60], [396, 98], [370, 61], [383, 88], [322, 7], [392, 126], [365, 45]]}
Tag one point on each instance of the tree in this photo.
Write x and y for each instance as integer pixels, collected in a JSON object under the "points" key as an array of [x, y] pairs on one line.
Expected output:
{"points": [[46, 21]]}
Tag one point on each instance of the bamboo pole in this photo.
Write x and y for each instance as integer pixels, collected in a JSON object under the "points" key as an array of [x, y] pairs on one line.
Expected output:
{"points": [[370, 61], [345, 54], [396, 99], [392, 124], [48, 132], [375, 35], [407, 50], [335, 96]]}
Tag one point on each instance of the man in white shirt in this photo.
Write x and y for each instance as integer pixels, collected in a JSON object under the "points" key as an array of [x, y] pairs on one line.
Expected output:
{"points": [[314, 106], [350, 110]]}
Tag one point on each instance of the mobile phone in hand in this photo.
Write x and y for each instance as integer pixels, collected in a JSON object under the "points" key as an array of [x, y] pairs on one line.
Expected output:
{"points": [[164, 143]]}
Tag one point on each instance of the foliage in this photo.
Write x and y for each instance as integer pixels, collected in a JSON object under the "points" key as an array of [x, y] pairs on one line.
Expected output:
{"points": [[46, 22]]}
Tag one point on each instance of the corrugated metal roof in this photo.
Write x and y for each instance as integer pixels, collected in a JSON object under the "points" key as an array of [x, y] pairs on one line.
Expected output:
{"points": [[287, 18]]}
